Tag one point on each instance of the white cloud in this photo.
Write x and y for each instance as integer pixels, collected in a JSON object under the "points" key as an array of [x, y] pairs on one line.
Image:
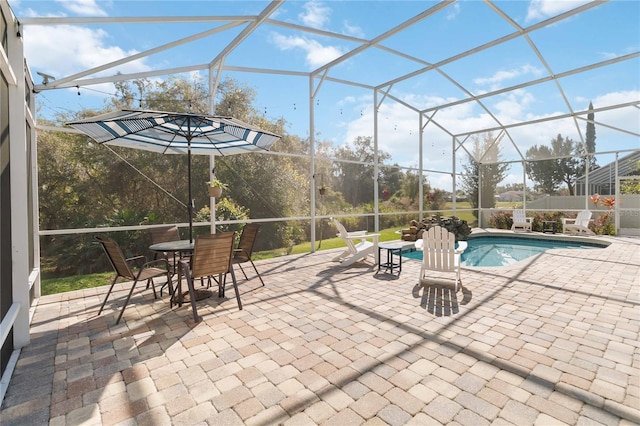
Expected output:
{"points": [[316, 14], [352, 30], [453, 11], [82, 7], [316, 54], [64, 50], [61, 50], [496, 80], [513, 106], [541, 9], [398, 129], [627, 118]]}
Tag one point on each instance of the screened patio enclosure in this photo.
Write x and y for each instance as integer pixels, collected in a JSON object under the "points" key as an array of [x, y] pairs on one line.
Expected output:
{"points": [[443, 91], [402, 79]]}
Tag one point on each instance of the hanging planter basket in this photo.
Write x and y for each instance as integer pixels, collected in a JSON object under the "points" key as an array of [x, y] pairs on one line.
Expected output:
{"points": [[215, 191]]}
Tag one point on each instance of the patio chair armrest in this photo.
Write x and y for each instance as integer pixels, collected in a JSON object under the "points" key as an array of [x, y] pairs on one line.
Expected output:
{"points": [[356, 233], [153, 262], [362, 236], [136, 261], [242, 252], [568, 221], [462, 246]]}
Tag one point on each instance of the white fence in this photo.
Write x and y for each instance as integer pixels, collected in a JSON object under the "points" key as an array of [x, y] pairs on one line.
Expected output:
{"points": [[627, 209]]}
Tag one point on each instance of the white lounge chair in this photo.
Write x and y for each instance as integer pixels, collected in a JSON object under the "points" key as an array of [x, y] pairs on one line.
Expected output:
{"points": [[521, 221], [358, 245], [439, 254], [579, 225]]}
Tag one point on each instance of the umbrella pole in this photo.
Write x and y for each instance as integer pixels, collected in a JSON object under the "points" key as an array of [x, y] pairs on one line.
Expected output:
{"points": [[190, 206]]}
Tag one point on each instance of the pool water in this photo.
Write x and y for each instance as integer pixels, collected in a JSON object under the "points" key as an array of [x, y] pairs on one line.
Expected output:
{"points": [[503, 251]]}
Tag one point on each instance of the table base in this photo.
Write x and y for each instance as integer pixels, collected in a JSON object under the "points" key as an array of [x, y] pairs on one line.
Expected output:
{"points": [[549, 226]]}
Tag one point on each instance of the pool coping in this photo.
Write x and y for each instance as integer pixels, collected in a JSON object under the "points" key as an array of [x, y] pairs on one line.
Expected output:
{"points": [[587, 240], [593, 241]]}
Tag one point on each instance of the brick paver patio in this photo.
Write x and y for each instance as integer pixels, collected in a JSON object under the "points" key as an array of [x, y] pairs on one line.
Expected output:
{"points": [[551, 340]]}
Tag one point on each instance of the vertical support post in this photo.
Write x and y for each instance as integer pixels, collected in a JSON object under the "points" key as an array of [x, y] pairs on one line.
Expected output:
{"points": [[212, 159], [587, 190], [420, 167], [376, 170], [479, 194], [312, 164], [617, 197], [212, 200], [19, 190], [524, 185], [453, 174]]}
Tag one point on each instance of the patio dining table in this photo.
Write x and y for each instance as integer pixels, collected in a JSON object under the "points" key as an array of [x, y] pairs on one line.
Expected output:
{"points": [[184, 248], [180, 246]]}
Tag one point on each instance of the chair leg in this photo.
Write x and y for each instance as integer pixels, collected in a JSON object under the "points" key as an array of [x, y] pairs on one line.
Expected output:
{"points": [[222, 282], [243, 273], [257, 273], [192, 297], [104, 302], [235, 287], [153, 286], [126, 302], [168, 284]]}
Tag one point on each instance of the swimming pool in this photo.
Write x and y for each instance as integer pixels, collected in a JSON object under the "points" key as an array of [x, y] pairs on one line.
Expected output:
{"points": [[491, 250]]}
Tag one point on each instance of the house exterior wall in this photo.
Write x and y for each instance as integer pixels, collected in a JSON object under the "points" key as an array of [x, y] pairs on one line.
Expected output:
{"points": [[19, 244]]}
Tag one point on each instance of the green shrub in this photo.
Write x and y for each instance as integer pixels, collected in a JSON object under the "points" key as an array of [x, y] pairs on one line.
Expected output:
{"points": [[501, 220]]}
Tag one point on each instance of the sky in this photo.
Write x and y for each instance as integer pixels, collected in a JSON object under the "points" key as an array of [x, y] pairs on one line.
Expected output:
{"points": [[343, 112]]}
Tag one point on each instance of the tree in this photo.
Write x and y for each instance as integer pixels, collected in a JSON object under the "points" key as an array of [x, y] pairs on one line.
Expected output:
{"points": [[83, 184], [631, 186], [590, 141], [411, 186], [484, 168], [390, 179], [354, 180], [549, 167]]}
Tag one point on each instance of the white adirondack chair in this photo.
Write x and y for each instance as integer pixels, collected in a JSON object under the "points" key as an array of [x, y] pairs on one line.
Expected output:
{"points": [[521, 221], [358, 245], [439, 254], [579, 225]]}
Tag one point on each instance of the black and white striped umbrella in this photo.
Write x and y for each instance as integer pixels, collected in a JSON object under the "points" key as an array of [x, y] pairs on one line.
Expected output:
{"points": [[176, 133]]}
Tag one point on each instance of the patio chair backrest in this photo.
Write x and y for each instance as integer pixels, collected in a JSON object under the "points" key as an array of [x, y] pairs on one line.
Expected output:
{"points": [[344, 234], [212, 254], [247, 241], [116, 257], [519, 216], [438, 249], [164, 234], [583, 218]]}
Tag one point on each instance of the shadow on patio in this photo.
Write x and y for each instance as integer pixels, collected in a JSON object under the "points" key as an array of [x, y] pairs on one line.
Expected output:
{"points": [[538, 342]]}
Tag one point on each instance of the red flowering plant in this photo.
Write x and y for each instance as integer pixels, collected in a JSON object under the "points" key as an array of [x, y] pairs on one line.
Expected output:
{"points": [[604, 223], [385, 193]]}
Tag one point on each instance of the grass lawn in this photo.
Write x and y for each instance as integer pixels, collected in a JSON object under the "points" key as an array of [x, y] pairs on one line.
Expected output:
{"points": [[76, 282]]}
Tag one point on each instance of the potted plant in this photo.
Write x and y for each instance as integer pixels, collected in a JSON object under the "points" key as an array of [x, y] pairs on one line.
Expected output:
{"points": [[322, 189], [216, 187]]}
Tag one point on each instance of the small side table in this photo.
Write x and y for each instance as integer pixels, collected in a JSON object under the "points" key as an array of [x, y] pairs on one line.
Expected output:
{"points": [[393, 249], [549, 226]]}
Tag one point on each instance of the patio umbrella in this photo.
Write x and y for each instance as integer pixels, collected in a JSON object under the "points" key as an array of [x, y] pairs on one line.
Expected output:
{"points": [[176, 133]]}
